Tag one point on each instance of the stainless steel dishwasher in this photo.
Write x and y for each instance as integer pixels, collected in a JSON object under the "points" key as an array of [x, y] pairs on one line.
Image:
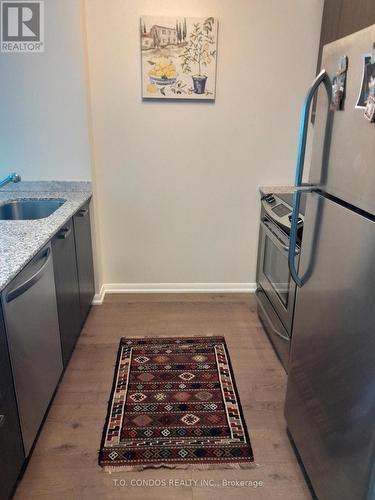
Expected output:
{"points": [[30, 313]]}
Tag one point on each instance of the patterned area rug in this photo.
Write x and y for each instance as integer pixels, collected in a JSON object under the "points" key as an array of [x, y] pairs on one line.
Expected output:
{"points": [[174, 403]]}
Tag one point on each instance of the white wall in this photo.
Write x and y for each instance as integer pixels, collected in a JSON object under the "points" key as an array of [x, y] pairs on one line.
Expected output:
{"points": [[178, 182], [43, 125]]}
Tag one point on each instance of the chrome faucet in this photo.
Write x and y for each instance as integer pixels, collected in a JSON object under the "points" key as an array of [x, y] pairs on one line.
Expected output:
{"points": [[13, 177]]}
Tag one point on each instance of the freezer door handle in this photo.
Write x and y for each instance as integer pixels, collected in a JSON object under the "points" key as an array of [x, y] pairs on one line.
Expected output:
{"points": [[321, 78], [293, 240]]}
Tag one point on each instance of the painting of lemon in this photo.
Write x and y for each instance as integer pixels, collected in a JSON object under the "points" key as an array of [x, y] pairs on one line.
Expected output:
{"points": [[163, 72], [178, 57], [152, 88]]}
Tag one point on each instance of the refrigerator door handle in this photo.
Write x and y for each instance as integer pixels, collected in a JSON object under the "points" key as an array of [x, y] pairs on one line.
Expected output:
{"points": [[321, 78]]}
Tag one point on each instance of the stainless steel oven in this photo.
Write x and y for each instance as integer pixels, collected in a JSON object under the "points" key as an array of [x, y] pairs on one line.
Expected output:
{"points": [[276, 290]]}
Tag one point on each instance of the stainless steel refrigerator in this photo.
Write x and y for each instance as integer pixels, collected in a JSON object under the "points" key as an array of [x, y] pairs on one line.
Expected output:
{"points": [[330, 401]]}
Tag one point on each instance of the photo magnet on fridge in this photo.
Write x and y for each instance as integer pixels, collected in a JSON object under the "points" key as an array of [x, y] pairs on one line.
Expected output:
{"points": [[339, 84], [370, 109], [370, 105], [368, 73]]}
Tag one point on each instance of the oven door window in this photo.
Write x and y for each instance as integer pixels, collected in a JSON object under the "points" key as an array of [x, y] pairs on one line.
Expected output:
{"points": [[276, 270]]}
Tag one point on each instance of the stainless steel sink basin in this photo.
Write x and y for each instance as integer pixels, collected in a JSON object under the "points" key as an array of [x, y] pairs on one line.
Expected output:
{"points": [[29, 209]]}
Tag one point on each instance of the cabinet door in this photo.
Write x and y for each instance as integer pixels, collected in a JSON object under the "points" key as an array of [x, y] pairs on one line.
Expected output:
{"points": [[11, 449], [82, 234], [67, 289], [355, 16], [342, 18]]}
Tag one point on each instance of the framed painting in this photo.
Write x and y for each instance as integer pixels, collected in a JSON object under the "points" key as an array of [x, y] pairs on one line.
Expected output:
{"points": [[178, 57]]}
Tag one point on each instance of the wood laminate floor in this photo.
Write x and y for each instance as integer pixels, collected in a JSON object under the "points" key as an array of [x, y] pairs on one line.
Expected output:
{"points": [[64, 462]]}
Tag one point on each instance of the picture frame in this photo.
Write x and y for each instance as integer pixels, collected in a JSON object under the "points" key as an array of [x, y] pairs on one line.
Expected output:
{"points": [[364, 90], [370, 109], [179, 57]]}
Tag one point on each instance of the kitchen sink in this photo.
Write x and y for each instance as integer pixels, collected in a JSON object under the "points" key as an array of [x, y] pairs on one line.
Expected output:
{"points": [[29, 209]]}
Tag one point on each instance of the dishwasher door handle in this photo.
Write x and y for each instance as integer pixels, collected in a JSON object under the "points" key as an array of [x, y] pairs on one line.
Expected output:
{"points": [[19, 290]]}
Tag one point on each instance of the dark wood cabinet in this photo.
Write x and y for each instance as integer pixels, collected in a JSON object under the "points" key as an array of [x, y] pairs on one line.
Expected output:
{"points": [[343, 17], [67, 288], [74, 277], [82, 234], [11, 447]]}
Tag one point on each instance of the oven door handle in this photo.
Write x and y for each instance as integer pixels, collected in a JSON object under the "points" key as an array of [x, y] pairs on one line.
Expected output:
{"points": [[273, 236]]}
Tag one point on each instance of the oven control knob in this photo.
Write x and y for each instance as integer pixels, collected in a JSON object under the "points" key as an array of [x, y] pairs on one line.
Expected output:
{"points": [[300, 220], [270, 199]]}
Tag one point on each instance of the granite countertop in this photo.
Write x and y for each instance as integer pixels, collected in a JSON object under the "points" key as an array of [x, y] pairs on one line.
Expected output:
{"points": [[20, 240], [276, 189]]}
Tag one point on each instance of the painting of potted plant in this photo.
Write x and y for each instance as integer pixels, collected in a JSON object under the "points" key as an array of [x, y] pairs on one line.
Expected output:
{"points": [[178, 57], [199, 51]]}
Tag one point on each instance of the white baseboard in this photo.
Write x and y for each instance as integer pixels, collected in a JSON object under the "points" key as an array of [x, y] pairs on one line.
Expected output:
{"points": [[172, 288], [99, 297]]}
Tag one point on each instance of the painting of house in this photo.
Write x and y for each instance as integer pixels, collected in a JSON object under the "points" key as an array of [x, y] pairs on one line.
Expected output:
{"points": [[147, 41], [163, 36], [178, 57]]}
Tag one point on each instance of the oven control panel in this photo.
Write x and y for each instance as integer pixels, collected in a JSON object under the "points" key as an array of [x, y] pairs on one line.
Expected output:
{"points": [[280, 211]]}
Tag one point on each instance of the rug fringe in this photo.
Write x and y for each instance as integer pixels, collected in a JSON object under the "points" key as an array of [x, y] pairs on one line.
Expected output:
{"points": [[139, 468], [162, 336]]}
